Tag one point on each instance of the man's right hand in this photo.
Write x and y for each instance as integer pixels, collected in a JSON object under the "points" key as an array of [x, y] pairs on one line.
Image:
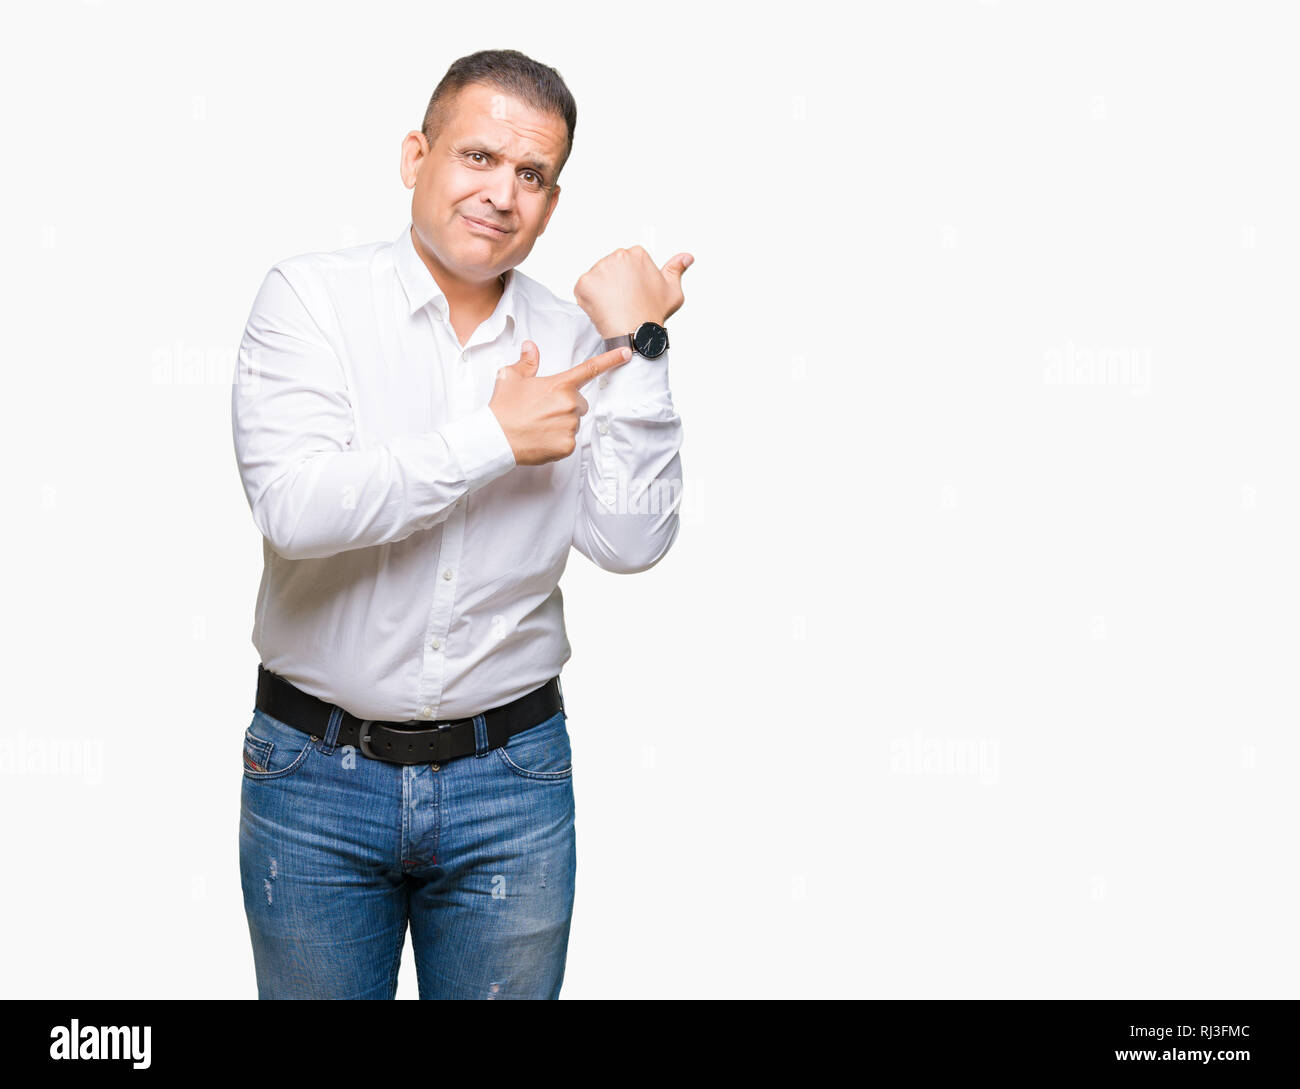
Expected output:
{"points": [[540, 416]]}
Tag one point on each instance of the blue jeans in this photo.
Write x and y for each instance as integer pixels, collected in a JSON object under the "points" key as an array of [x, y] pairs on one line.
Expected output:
{"points": [[338, 852]]}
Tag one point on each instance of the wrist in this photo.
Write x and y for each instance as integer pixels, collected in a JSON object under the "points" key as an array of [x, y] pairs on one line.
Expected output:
{"points": [[623, 327]]}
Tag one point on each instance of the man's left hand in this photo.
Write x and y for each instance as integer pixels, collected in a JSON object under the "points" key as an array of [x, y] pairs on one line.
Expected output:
{"points": [[622, 290]]}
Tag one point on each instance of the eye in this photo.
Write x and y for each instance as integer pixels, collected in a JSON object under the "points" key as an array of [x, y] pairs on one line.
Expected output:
{"points": [[533, 178], [473, 153]]}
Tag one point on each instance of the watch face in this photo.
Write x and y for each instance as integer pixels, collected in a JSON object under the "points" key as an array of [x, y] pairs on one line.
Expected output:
{"points": [[651, 339]]}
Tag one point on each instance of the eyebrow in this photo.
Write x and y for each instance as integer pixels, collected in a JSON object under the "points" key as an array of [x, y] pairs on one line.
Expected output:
{"points": [[540, 165]]}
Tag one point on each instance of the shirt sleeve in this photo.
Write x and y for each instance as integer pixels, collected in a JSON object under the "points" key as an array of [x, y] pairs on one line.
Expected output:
{"points": [[311, 492], [630, 469]]}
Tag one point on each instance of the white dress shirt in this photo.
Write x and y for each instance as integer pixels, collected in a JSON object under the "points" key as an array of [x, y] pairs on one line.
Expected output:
{"points": [[411, 568]]}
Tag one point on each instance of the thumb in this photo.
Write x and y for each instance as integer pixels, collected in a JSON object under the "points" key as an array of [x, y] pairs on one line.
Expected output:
{"points": [[677, 265], [525, 366], [529, 359]]}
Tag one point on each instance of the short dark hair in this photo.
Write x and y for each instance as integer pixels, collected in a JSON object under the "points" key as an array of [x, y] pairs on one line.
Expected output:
{"points": [[512, 72]]}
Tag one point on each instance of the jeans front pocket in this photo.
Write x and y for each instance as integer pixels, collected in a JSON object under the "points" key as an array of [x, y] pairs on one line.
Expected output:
{"points": [[273, 749], [540, 752]]}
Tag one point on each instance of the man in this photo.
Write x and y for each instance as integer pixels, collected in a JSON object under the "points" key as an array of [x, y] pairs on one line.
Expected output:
{"points": [[422, 432]]}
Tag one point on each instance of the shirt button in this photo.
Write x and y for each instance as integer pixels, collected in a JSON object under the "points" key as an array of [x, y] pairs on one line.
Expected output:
{"points": [[426, 711], [436, 644], [603, 427], [464, 356], [447, 574], [604, 381]]}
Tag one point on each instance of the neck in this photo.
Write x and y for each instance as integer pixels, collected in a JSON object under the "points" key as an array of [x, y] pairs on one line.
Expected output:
{"points": [[473, 297]]}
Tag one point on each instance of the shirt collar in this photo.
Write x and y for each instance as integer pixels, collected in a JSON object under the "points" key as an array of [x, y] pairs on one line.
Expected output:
{"points": [[422, 289]]}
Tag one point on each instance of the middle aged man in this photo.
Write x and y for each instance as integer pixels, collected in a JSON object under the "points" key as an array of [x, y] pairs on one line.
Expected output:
{"points": [[423, 432]]}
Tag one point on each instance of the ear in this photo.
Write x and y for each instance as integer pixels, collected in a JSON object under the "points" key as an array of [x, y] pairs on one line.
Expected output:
{"points": [[555, 199], [414, 148]]}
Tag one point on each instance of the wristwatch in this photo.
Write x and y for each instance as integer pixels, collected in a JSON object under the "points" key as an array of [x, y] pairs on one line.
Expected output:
{"points": [[649, 340]]}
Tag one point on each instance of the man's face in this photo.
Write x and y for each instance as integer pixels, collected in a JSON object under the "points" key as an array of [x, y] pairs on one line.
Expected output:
{"points": [[494, 161]]}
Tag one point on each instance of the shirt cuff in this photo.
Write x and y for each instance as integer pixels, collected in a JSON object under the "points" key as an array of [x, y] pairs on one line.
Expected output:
{"points": [[638, 384], [479, 446]]}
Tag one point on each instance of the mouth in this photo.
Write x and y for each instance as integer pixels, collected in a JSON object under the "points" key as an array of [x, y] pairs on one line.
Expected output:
{"points": [[485, 227]]}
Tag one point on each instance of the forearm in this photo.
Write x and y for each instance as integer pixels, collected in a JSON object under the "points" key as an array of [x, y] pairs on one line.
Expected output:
{"points": [[335, 501], [629, 514]]}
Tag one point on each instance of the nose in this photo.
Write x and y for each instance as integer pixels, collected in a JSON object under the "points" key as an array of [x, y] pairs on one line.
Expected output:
{"points": [[499, 189]]}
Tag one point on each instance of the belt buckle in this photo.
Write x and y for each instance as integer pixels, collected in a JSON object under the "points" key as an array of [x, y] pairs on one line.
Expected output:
{"points": [[363, 739]]}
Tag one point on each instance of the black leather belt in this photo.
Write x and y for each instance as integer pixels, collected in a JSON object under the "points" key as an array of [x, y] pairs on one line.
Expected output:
{"points": [[415, 742]]}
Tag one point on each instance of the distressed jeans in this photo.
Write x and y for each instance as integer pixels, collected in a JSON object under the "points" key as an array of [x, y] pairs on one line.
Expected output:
{"points": [[338, 852]]}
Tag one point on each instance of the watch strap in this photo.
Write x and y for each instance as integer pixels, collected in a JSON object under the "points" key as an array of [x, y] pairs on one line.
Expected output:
{"points": [[625, 341]]}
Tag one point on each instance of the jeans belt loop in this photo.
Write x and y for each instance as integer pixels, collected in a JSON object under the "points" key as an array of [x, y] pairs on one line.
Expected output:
{"points": [[331, 738]]}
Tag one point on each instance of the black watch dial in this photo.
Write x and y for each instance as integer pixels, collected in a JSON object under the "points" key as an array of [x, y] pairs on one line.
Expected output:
{"points": [[650, 339]]}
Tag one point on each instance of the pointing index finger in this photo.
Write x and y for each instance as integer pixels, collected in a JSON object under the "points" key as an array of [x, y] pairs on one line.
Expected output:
{"points": [[588, 369]]}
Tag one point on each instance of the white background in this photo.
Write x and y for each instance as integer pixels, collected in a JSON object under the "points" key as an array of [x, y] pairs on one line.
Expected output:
{"points": [[972, 671]]}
